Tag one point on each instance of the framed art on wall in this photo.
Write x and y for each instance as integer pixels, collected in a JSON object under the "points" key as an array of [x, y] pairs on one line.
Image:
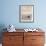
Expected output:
{"points": [[26, 13]]}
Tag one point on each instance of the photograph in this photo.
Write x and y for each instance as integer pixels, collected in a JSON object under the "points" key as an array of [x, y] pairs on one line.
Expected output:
{"points": [[26, 13]]}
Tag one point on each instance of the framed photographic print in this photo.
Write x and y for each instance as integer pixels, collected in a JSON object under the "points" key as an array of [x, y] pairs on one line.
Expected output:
{"points": [[26, 13]]}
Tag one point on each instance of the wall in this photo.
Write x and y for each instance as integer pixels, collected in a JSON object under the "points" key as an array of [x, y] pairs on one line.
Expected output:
{"points": [[10, 13]]}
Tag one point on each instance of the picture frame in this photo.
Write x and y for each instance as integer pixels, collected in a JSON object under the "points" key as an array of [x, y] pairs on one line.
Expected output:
{"points": [[26, 13]]}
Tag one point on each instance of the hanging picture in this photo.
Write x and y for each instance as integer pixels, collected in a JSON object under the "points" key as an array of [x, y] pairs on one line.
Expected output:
{"points": [[26, 13]]}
